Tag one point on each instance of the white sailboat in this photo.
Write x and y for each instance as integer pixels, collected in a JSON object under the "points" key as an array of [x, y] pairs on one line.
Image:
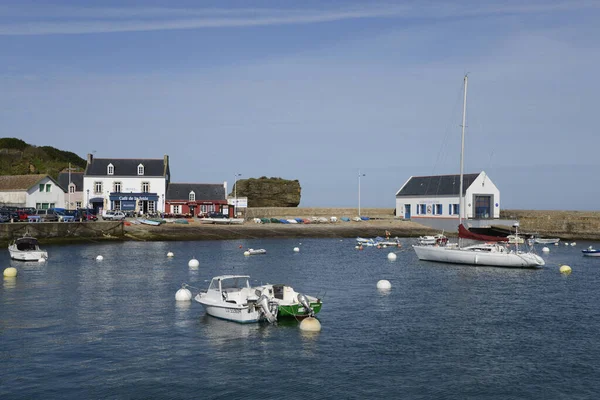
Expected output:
{"points": [[488, 254]]}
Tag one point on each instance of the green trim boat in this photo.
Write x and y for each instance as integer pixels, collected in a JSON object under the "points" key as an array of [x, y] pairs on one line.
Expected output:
{"points": [[291, 304]]}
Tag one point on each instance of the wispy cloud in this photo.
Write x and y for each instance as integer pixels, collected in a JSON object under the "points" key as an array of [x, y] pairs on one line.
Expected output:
{"points": [[84, 20]]}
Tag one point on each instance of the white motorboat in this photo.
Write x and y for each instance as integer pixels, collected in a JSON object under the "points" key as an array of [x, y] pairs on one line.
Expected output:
{"points": [[514, 239], [491, 254], [253, 252], [230, 297], [428, 240], [546, 240], [26, 248]]}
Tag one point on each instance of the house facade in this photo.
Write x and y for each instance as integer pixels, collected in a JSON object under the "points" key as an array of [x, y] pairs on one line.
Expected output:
{"points": [[72, 185], [193, 199], [35, 191], [138, 184], [435, 201]]}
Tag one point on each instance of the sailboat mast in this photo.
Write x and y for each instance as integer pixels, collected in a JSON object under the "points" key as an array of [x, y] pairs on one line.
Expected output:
{"points": [[462, 152]]}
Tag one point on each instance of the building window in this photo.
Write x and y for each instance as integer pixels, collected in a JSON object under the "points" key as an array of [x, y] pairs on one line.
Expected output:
{"points": [[454, 209], [48, 187], [438, 209], [421, 209], [140, 169], [78, 204], [192, 196], [98, 187], [117, 187], [71, 188], [176, 209], [145, 187], [151, 207], [110, 170], [117, 204]]}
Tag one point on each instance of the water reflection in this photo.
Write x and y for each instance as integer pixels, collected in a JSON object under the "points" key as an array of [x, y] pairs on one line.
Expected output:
{"points": [[10, 282]]}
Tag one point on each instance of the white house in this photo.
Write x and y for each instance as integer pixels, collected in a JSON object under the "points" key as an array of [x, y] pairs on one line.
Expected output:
{"points": [[426, 199], [136, 184], [36, 191]]}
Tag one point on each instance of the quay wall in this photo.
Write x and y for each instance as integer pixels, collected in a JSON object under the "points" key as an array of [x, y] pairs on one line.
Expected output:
{"points": [[63, 232], [584, 225]]}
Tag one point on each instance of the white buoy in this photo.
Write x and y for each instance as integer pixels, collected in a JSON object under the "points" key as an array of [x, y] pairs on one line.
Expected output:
{"points": [[573, 244], [565, 269], [183, 294], [545, 250], [193, 263], [10, 272], [99, 258], [170, 254], [246, 253], [310, 324], [384, 284], [556, 244], [296, 249], [42, 260], [391, 256]]}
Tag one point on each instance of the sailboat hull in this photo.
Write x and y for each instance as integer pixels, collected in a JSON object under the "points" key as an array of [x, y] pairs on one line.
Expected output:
{"points": [[467, 256]]}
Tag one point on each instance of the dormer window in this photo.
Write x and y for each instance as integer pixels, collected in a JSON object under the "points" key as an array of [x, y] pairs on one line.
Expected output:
{"points": [[110, 170], [192, 196], [71, 188], [141, 169]]}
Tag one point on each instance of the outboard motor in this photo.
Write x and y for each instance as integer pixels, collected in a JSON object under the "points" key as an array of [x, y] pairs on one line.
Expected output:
{"points": [[263, 303], [304, 301]]}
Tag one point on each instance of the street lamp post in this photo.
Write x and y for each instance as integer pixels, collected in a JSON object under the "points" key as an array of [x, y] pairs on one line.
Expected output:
{"points": [[235, 195], [359, 176], [88, 199]]}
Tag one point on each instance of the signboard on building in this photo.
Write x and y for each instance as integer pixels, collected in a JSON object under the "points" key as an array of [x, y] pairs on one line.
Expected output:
{"points": [[242, 202]]}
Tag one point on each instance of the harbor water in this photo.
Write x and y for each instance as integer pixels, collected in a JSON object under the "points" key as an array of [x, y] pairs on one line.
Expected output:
{"points": [[78, 328]]}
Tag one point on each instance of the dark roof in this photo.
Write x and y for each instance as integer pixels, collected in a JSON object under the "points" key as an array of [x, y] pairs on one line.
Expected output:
{"points": [[127, 166], [21, 182], [439, 185], [203, 191], [76, 178]]}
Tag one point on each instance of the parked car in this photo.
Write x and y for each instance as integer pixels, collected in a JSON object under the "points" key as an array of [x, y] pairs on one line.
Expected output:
{"points": [[4, 217], [217, 215], [48, 215], [88, 216], [108, 214], [114, 216], [11, 213]]}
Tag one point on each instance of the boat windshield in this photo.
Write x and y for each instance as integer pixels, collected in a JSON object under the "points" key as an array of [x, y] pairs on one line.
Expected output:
{"points": [[230, 283]]}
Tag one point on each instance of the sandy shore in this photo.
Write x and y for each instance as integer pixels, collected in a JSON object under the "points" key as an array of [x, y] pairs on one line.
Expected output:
{"points": [[250, 230]]}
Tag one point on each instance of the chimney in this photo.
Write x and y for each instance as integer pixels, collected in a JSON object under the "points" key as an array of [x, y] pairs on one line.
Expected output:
{"points": [[90, 157]]}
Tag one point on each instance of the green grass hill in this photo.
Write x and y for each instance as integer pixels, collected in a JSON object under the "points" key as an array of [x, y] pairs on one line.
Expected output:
{"points": [[20, 158]]}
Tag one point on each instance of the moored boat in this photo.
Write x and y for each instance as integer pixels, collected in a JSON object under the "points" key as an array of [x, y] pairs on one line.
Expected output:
{"points": [[26, 248], [291, 304], [231, 297], [253, 252], [591, 252]]}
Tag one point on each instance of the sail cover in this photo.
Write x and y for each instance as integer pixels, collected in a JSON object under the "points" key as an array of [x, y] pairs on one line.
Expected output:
{"points": [[464, 233]]}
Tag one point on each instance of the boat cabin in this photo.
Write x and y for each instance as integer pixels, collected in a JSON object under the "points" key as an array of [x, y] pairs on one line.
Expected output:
{"points": [[27, 244]]}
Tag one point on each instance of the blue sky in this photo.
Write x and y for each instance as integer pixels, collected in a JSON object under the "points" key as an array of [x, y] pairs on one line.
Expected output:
{"points": [[315, 91]]}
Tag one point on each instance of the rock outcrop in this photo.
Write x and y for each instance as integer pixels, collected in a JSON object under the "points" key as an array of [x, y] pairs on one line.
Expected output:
{"points": [[269, 192]]}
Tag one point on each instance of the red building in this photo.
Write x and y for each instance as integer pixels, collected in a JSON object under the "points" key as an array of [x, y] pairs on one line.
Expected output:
{"points": [[193, 199]]}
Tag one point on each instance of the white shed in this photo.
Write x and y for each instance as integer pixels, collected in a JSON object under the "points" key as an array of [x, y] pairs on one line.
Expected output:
{"points": [[428, 198]]}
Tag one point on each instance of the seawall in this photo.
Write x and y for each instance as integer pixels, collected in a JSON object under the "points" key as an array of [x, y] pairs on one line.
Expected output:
{"points": [[63, 232], [567, 225]]}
